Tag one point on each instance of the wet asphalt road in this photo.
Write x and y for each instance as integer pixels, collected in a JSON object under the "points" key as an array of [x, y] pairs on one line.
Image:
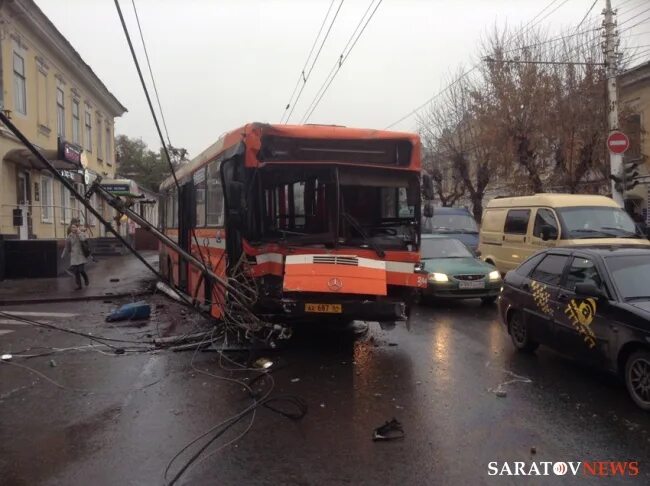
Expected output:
{"points": [[120, 419]]}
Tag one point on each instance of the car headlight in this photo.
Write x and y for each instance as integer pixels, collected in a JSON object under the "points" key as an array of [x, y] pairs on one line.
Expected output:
{"points": [[495, 275], [438, 277]]}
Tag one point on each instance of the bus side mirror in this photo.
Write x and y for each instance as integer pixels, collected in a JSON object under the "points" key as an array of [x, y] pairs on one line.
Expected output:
{"points": [[428, 210], [235, 193], [427, 187]]}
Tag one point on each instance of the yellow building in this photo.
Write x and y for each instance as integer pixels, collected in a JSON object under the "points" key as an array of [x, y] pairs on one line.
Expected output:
{"points": [[634, 94], [61, 105]]}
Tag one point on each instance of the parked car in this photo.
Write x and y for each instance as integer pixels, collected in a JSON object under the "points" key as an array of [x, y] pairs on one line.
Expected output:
{"points": [[455, 223], [590, 303], [514, 228], [454, 272]]}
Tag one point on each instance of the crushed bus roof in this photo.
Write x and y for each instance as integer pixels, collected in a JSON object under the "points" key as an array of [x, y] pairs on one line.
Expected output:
{"points": [[252, 134]]}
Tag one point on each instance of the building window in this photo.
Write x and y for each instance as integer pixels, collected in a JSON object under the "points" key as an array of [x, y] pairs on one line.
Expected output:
{"points": [[76, 134], [47, 199], [42, 98], [100, 151], [20, 91], [88, 136], [108, 144], [91, 217], [65, 204], [60, 112]]}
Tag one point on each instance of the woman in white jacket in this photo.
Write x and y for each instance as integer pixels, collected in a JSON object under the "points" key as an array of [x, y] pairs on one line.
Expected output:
{"points": [[74, 245]]}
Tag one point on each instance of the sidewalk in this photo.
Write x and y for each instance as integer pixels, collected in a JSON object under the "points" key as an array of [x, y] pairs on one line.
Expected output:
{"points": [[132, 277]]}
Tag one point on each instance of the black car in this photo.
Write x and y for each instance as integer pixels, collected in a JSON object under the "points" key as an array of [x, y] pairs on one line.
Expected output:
{"points": [[591, 303]]}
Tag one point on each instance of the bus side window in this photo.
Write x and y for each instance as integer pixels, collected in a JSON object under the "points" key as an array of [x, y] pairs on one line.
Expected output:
{"points": [[214, 195], [199, 187]]}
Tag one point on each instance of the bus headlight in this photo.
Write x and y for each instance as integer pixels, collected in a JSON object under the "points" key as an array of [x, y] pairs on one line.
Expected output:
{"points": [[494, 275], [438, 277]]}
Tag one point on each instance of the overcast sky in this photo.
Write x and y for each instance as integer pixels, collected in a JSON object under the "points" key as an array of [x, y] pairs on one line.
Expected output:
{"points": [[221, 63]]}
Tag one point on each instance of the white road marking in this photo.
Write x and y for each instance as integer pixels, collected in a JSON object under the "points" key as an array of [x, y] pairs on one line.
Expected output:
{"points": [[9, 322], [39, 314]]}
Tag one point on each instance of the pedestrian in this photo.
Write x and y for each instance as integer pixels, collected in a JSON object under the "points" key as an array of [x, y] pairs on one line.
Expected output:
{"points": [[77, 246], [73, 221]]}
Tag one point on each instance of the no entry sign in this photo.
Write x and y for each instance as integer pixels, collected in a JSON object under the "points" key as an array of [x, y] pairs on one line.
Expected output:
{"points": [[617, 142]]}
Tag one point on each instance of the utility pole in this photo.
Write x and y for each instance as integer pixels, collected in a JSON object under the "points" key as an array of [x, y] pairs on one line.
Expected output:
{"points": [[610, 47]]}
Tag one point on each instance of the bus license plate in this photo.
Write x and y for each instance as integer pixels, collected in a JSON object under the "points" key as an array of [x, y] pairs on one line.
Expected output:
{"points": [[324, 308], [471, 285]]}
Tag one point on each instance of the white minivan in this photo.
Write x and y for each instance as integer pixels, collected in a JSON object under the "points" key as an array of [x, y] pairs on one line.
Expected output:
{"points": [[514, 228]]}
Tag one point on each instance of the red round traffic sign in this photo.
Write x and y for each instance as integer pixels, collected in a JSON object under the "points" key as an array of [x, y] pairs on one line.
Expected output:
{"points": [[617, 142]]}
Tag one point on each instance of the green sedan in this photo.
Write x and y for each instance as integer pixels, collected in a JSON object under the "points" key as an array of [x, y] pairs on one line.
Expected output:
{"points": [[454, 272]]}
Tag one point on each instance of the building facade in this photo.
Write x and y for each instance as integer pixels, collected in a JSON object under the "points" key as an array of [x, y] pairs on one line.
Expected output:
{"points": [[62, 107]]}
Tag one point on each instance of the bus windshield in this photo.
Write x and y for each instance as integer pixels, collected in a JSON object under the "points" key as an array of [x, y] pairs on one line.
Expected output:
{"points": [[340, 206]]}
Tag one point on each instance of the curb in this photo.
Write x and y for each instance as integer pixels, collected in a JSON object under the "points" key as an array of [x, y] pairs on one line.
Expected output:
{"points": [[50, 300]]}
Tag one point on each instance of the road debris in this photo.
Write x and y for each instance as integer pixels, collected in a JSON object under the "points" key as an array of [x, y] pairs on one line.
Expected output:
{"points": [[133, 311], [262, 363], [389, 431], [295, 380], [52, 363], [501, 393], [6, 357]]}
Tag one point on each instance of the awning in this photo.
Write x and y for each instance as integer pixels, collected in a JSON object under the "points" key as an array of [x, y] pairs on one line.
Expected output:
{"points": [[25, 158]]}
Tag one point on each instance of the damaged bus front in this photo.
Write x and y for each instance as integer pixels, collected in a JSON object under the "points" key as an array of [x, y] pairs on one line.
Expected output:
{"points": [[327, 220]]}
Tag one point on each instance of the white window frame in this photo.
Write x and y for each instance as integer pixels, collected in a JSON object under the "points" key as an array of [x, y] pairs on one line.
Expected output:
{"points": [[108, 143], [100, 149], [20, 85], [66, 212], [47, 203], [60, 112], [88, 129], [92, 221], [76, 130]]}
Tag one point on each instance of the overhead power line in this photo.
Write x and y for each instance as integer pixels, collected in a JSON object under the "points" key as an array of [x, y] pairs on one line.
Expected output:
{"points": [[153, 80], [587, 14], [526, 28], [340, 61], [634, 17], [301, 76], [304, 77]]}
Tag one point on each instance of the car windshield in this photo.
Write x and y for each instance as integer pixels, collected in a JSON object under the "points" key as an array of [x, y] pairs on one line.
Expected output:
{"points": [[631, 274], [443, 248], [597, 222], [457, 223]]}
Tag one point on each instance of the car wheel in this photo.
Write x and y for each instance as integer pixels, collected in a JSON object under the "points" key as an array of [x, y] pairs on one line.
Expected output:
{"points": [[488, 300], [519, 333], [637, 378]]}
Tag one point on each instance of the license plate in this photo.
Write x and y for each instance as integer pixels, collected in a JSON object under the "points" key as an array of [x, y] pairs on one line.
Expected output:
{"points": [[477, 284], [324, 308]]}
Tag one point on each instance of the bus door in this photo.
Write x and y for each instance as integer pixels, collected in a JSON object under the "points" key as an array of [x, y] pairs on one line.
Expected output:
{"points": [[186, 216]]}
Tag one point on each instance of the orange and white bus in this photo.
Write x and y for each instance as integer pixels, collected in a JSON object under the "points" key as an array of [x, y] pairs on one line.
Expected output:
{"points": [[327, 219]]}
